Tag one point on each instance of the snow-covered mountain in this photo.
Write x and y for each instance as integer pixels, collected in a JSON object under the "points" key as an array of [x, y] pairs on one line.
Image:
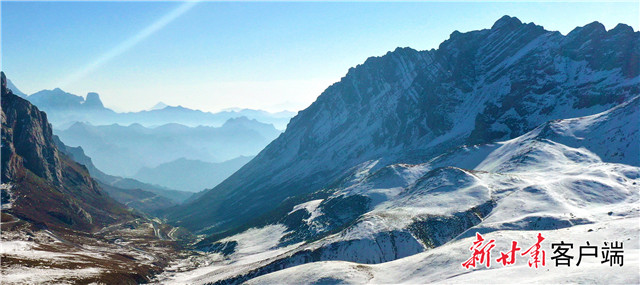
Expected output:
{"points": [[411, 106], [575, 180], [441, 265]]}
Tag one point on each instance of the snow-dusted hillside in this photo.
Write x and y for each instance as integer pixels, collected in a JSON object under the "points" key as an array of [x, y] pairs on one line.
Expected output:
{"points": [[442, 265], [410, 106], [574, 179]]}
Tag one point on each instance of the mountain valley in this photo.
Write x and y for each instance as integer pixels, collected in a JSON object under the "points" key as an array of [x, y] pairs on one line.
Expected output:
{"points": [[512, 133]]}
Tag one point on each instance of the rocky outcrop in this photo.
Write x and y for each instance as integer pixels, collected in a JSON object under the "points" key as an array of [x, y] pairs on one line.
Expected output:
{"points": [[93, 101], [28, 140]]}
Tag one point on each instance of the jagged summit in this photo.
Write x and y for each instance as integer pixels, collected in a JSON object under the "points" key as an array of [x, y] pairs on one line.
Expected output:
{"points": [[60, 100], [506, 22], [622, 29], [592, 29]]}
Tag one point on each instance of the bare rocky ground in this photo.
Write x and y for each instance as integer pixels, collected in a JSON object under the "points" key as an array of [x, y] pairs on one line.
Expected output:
{"points": [[127, 253]]}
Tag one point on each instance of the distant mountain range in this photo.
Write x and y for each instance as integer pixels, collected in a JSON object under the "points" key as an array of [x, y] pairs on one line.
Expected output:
{"points": [[142, 196], [124, 150], [41, 152], [63, 109], [159, 135]]}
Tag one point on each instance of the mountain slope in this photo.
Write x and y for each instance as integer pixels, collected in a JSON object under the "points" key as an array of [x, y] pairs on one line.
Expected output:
{"points": [[409, 106], [577, 194], [428, 213], [442, 265], [191, 175]]}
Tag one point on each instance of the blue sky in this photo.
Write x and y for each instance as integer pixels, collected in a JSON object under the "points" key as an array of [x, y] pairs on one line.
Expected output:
{"points": [[217, 55]]}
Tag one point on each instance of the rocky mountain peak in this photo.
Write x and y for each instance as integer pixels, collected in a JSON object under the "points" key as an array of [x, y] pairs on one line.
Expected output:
{"points": [[587, 44], [622, 29], [93, 101], [591, 30], [3, 80], [506, 22]]}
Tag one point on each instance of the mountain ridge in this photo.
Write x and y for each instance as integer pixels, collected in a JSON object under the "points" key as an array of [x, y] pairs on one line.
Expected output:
{"points": [[408, 105]]}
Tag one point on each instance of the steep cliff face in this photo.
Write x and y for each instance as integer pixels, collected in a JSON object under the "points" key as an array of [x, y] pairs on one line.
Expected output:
{"points": [[408, 106], [48, 187], [27, 137], [93, 101]]}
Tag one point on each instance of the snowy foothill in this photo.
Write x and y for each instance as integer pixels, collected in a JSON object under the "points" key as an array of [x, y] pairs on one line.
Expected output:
{"points": [[61, 266], [444, 264], [7, 198], [252, 246]]}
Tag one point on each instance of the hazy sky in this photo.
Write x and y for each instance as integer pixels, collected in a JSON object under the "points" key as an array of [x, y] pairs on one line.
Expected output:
{"points": [[217, 55]]}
